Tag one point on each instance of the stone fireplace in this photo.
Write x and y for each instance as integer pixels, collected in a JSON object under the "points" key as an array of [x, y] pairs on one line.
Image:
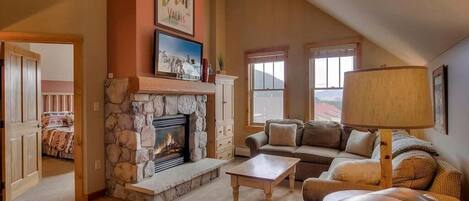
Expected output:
{"points": [[148, 135]]}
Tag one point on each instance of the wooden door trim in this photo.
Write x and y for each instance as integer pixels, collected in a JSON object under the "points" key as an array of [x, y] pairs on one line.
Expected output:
{"points": [[77, 42]]}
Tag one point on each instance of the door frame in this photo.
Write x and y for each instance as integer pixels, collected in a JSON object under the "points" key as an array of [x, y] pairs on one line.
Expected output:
{"points": [[77, 42]]}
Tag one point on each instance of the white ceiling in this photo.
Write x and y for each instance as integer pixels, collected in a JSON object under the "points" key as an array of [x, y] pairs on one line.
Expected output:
{"points": [[417, 31]]}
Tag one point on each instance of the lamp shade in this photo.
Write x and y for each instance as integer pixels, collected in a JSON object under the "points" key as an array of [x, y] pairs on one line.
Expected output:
{"points": [[387, 98]]}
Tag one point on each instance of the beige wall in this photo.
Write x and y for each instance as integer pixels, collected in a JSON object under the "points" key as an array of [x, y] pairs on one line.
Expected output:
{"points": [[254, 24], [454, 146], [88, 19], [56, 61]]}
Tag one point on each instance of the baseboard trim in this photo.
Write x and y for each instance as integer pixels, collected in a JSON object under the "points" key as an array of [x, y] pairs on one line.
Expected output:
{"points": [[242, 151], [96, 195]]}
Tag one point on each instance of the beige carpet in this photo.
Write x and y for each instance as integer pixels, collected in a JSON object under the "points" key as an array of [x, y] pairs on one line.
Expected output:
{"points": [[56, 183], [220, 190]]}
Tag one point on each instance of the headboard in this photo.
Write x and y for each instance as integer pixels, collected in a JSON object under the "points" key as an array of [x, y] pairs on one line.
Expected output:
{"points": [[57, 102]]}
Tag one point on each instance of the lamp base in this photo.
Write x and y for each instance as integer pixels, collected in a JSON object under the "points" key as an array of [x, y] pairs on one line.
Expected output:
{"points": [[386, 158]]}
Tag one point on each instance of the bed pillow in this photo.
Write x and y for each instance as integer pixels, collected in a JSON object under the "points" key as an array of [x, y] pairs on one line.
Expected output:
{"points": [[360, 143], [282, 134], [366, 171]]}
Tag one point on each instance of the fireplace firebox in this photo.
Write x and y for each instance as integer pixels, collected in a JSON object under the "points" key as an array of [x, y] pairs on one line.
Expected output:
{"points": [[171, 142]]}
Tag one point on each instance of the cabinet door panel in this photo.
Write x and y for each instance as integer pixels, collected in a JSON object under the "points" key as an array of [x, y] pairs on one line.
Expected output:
{"points": [[227, 102]]}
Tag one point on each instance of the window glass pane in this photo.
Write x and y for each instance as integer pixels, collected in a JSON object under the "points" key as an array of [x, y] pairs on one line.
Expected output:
{"points": [[279, 75], [333, 72], [258, 76], [320, 66], [346, 64], [267, 105], [269, 75], [328, 105]]}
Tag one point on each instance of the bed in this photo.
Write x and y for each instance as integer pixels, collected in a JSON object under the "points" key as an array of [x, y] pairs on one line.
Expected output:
{"points": [[57, 127]]}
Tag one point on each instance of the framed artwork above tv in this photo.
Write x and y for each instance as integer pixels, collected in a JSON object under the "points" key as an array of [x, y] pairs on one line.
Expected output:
{"points": [[177, 57], [176, 15]]}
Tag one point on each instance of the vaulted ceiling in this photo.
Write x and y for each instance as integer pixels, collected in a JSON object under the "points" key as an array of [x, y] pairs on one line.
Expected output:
{"points": [[417, 31]]}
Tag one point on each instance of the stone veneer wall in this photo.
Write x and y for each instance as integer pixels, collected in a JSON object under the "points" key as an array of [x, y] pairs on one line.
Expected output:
{"points": [[130, 135]]}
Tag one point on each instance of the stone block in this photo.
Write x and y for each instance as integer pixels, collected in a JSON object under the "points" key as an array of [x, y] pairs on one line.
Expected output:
{"points": [[149, 119], [139, 156], [158, 106], [130, 140], [202, 139], [196, 182], [170, 194], [125, 122], [125, 105], [183, 188], [171, 105], [126, 172], [113, 153], [110, 122], [119, 192], [137, 107], [109, 168], [110, 108], [109, 138], [139, 122], [141, 97], [149, 169], [140, 170], [196, 154], [116, 90], [125, 155], [148, 136], [187, 104], [206, 178], [148, 107]]}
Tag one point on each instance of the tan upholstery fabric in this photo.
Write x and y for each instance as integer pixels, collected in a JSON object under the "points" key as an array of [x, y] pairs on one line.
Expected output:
{"points": [[360, 171], [337, 161], [413, 169], [322, 134], [299, 124], [360, 143], [278, 150], [344, 154], [447, 180], [282, 134], [321, 155]]}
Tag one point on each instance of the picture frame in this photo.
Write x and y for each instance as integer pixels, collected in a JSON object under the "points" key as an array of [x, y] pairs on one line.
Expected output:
{"points": [[440, 99], [176, 15], [177, 57]]}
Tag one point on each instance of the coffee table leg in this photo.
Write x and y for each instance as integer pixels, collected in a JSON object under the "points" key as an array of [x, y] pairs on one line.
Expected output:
{"points": [[235, 186], [268, 191], [292, 179]]}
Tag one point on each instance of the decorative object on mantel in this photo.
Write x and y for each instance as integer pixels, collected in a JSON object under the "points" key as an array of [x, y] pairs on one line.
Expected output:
{"points": [[387, 98], [177, 57], [176, 15], [221, 65], [205, 70], [440, 99]]}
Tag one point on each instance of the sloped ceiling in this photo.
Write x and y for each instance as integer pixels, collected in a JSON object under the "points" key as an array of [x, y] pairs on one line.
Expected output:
{"points": [[417, 31]]}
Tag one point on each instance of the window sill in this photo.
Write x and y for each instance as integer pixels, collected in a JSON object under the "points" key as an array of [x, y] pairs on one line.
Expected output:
{"points": [[254, 128]]}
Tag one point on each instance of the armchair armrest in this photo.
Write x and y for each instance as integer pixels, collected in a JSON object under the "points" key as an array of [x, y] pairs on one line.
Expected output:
{"points": [[315, 189], [255, 141]]}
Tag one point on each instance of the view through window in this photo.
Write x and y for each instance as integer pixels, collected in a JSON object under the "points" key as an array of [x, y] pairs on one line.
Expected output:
{"points": [[329, 66], [267, 90]]}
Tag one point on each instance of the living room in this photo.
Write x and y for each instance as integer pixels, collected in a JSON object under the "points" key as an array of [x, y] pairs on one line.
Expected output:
{"points": [[271, 77]]}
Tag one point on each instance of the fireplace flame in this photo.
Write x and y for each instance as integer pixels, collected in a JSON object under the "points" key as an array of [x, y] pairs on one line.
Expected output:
{"points": [[168, 143]]}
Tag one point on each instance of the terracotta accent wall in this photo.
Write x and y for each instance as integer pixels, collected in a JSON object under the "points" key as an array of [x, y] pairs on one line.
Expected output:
{"points": [[261, 24], [131, 27]]}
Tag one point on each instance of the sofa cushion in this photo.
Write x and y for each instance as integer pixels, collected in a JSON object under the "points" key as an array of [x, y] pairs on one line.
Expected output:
{"points": [[282, 134], [337, 161], [321, 155], [366, 171], [346, 130], [322, 133], [299, 126], [344, 154], [360, 143], [278, 150], [413, 169]]}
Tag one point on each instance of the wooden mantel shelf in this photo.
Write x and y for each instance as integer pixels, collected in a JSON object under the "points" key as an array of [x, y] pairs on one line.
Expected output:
{"points": [[169, 86]]}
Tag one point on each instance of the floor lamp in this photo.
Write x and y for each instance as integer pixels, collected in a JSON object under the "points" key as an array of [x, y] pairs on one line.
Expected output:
{"points": [[385, 99]]}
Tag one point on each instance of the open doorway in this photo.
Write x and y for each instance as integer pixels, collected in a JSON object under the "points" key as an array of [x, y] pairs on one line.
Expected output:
{"points": [[47, 111], [56, 123]]}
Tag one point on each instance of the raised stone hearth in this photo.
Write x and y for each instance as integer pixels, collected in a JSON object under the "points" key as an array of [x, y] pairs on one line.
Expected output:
{"points": [[130, 140]]}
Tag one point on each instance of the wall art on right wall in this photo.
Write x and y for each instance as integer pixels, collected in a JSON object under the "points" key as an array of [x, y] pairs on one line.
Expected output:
{"points": [[440, 99]]}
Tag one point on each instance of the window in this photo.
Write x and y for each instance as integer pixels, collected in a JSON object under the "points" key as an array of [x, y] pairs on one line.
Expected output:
{"points": [[329, 65], [267, 86]]}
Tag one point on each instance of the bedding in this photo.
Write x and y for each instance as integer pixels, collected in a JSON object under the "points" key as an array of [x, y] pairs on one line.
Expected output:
{"points": [[58, 135]]}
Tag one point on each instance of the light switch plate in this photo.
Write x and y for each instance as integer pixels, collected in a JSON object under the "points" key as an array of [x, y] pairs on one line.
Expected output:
{"points": [[96, 106], [97, 164]]}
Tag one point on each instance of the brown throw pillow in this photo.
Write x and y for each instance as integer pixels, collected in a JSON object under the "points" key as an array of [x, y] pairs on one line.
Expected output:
{"points": [[282, 134], [360, 143]]}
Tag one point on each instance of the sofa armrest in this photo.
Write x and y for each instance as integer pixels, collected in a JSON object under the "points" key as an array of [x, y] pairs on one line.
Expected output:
{"points": [[441, 197], [315, 189], [256, 141]]}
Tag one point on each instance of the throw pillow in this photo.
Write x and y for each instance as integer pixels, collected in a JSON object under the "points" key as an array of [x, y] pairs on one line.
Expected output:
{"points": [[413, 169], [366, 171], [282, 134], [360, 143], [322, 134]]}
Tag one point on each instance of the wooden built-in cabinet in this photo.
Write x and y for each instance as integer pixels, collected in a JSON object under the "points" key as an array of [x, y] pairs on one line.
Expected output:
{"points": [[220, 114]]}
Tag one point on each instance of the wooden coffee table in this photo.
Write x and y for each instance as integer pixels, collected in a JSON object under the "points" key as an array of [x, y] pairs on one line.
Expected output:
{"points": [[263, 172]]}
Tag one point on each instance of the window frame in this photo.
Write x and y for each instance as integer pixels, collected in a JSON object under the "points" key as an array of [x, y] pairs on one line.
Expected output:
{"points": [[250, 124], [311, 69]]}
